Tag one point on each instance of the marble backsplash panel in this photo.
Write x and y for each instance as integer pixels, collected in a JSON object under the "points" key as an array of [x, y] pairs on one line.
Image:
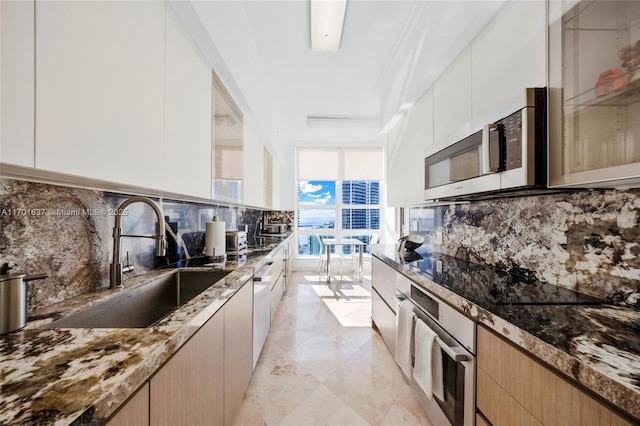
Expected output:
{"points": [[66, 233], [586, 241]]}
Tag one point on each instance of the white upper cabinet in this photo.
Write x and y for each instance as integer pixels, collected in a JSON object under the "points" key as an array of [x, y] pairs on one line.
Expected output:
{"points": [[488, 80], [407, 144], [100, 109], [16, 82], [187, 159], [419, 139], [506, 58], [452, 101], [254, 164]]}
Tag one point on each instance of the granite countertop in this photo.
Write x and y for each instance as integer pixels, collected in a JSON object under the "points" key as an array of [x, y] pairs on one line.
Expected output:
{"points": [[598, 346], [81, 376]]}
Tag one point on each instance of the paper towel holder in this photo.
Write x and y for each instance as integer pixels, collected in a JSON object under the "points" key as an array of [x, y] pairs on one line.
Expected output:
{"points": [[211, 246]]}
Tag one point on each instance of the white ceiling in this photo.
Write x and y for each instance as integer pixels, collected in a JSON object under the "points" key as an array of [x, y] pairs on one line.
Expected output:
{"points": [[266, 62]]}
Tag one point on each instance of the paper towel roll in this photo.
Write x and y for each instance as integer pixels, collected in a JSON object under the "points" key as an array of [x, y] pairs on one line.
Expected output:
{"points": [[215, 239]]}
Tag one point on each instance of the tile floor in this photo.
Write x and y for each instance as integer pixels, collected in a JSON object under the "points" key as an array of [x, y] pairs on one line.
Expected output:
{"points": [[323, 363]]}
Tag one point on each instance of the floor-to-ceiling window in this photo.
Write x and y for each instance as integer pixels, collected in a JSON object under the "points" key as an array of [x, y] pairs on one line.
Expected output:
{"points": [[338, 196]]}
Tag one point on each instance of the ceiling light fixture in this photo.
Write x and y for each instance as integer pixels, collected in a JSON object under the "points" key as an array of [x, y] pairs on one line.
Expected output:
{"points": [[326, 21], [344, 121]]}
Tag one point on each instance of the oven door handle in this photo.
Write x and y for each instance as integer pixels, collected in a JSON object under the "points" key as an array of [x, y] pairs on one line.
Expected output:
{"points": [[486, 137], [456, 354]]}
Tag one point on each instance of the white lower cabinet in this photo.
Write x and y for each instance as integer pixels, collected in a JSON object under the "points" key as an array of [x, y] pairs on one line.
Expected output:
{"points": [[385, 320], [383, 282], [188, 390], [277, 277], [238, 350], [276, 294]]}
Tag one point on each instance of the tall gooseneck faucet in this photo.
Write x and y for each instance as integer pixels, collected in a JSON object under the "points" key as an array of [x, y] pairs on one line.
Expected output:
{"points": [[116, 269]]}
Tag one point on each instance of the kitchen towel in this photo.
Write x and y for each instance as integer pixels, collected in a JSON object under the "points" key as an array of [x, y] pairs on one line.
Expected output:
{"points": [[428, 365], [403, 336], [215, 239]]}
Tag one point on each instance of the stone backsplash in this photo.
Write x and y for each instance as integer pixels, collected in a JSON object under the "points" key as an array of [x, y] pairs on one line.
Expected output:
{"points": [[66, 233], [587, 241]]}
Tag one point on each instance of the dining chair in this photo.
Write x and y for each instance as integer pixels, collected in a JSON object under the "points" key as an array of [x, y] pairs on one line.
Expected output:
{"points": [[322, 254]]}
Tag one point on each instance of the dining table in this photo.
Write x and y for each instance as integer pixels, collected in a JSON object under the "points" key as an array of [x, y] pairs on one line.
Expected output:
{"points": [[353, 243]]}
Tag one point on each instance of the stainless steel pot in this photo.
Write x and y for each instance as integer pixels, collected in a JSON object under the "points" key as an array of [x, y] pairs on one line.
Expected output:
{"points": [[13, 302], [13, 298]]}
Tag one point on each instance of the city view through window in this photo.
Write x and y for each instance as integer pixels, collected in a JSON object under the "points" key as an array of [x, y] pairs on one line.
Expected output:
{"points": [[333, 209]]}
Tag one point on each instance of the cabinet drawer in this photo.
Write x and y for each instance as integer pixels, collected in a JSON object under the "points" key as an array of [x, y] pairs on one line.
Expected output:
{"points": [[499, 407], [385, 319], [383, 280], [276, 294], [549, 397]]}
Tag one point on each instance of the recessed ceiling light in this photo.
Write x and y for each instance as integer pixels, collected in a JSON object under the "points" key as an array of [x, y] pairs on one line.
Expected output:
{"points": [[326, 21]]}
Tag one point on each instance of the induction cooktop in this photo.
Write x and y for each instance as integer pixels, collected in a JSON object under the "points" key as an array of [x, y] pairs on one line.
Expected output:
{"points": [[490, 285]]}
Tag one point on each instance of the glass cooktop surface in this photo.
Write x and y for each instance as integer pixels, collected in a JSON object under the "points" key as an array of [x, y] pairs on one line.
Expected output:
{"points": [[490, 285]]}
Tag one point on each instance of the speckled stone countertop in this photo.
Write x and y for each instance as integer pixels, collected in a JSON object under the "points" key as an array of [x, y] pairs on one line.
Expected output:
{"points": [[81, 376], [598, 346]]}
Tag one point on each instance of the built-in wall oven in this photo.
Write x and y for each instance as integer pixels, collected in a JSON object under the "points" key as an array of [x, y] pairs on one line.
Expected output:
{"points": [[455, 404], [506, 155]]}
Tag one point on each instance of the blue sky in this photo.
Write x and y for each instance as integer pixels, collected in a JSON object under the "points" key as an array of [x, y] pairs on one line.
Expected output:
{"points": [[317, 193]]}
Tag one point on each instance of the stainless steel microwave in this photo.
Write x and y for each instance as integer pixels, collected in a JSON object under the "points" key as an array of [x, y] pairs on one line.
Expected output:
{"points": [[507, 155]]}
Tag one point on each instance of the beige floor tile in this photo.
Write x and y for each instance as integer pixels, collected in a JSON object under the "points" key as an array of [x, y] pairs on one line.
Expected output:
{"points": [[278, 384], [249, 415], [323, 363], [324, 408], [366, 388], [406, 410]]}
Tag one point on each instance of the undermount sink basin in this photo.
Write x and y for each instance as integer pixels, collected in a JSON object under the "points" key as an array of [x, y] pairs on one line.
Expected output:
{"points": [[143, 306]]}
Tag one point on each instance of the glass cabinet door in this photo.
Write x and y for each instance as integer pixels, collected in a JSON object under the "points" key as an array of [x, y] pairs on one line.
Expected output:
{"points": [[594, 93], [227, 162]]}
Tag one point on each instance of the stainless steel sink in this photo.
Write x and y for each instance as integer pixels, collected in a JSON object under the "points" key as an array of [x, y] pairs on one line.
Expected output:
{"points": [[143, 306]]}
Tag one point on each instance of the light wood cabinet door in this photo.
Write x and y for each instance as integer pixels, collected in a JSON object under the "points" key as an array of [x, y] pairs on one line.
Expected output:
{"points": [[135, 412], [188, 389], [513, 386], [238, 349]]}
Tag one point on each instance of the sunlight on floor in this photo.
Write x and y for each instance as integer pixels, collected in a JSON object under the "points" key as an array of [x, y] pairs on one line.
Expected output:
{"points": [[348, 301]]}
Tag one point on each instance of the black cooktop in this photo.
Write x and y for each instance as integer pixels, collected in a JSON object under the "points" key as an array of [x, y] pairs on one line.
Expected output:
{"points": [[492, 286]]}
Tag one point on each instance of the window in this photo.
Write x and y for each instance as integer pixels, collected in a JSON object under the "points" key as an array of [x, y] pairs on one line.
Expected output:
{"points": [[338, 195]]}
